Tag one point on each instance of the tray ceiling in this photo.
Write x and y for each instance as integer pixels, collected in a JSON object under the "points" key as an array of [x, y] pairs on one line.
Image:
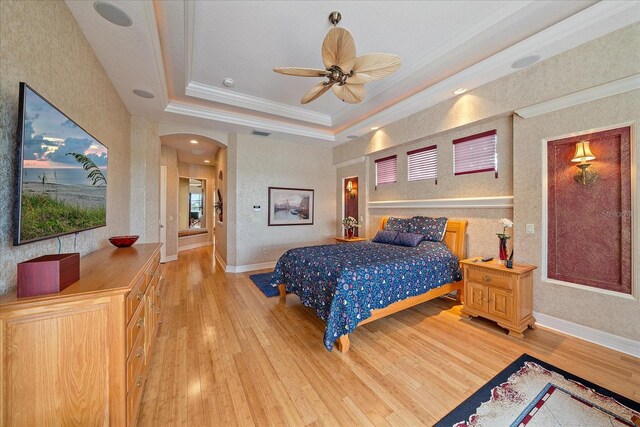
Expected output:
{"points": [[182, 51]]}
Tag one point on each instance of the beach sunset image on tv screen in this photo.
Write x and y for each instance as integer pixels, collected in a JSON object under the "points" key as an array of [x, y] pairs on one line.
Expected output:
{"points": [[63, 174]]}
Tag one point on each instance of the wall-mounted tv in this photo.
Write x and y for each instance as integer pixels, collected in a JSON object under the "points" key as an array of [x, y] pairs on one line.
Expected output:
{"points": [[62, 173]]}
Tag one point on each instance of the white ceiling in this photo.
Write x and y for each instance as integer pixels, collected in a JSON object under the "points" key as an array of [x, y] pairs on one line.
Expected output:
{"points": [[205, 149], [181, 52]]}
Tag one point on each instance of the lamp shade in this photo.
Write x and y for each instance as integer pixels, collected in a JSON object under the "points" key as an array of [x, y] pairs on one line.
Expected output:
{"points": [[349, 186], [583, 152]]}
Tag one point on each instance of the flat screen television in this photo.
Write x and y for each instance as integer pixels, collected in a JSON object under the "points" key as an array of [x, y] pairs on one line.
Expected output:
{"points": [[62, 173]]}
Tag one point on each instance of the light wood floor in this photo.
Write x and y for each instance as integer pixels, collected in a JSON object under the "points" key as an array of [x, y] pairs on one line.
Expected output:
{"points": [[227, 355]]}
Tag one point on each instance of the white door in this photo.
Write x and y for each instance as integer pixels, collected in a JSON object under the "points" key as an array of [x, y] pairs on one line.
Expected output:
{"points": [[163, 213]]}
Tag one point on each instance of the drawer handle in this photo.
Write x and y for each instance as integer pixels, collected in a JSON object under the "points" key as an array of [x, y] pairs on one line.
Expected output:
{"points": [[140, 323], [486, 278], [140, 351], [140, 295], [139, 381]]}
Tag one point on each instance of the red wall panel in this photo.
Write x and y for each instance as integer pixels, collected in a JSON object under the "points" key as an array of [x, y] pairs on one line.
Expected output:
{"points": [[589, 227]]}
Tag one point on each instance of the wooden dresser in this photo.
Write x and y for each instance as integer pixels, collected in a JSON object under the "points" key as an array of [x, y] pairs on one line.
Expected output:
{"points": [[504, 295], [80, 357]]}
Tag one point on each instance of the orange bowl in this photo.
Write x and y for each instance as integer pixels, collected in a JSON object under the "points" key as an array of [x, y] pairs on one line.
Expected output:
{"points": [[123, 241]]}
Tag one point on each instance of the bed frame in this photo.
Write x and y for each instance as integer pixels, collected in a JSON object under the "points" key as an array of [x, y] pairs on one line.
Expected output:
{"points": [[455, 240]]}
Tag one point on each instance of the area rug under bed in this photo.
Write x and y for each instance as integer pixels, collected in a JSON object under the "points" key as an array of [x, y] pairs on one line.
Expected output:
{"points": [[532, 393], [262, 281]]}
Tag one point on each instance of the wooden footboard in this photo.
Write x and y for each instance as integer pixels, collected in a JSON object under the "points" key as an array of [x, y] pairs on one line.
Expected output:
{"points": [[343, 342]]}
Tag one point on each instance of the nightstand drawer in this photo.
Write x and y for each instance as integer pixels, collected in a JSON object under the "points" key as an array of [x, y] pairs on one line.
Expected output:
{"points": [[487, 277]]}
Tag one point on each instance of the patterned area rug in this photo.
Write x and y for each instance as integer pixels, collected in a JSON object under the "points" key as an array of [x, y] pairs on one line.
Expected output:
{"points": [[262, 282], [532, 393]]}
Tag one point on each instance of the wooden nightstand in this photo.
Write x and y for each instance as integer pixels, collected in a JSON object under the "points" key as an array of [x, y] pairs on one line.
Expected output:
{"points": [[349, 240], [504, 295]]}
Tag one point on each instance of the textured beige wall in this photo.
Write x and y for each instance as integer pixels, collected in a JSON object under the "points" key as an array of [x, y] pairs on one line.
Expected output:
{"points": [[472, 185], [603, 60], [169, 158], [145, 179], [221, 184], [206, 173], [613, 314], [267, 162], [42, 45]]}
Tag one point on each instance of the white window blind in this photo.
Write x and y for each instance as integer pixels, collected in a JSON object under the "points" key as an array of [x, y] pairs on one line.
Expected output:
{"points": [[423, 163], [386, 170], [475, 153]]}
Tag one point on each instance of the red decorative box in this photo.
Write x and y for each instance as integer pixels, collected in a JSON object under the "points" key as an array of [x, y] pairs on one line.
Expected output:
{"points": [[47, 274]]}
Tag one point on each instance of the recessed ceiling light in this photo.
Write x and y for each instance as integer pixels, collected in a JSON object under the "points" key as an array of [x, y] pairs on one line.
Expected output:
{"points": [[460, 90], [228, 82], [193, 141], [352, 136], [143, 93], [112, 13], [526, 61], [375, 127], [206, 161]]}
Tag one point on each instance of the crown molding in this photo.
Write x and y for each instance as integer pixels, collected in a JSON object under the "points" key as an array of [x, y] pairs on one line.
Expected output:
{"points": [[156, 49], [615, 87], [587, 25], [497, 202], [225, 96], [249, 121]]}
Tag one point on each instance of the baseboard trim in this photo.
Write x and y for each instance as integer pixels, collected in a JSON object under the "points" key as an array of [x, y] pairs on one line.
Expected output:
{"points": [[193, 246], [249, 267], [605, 339], [221, 261], [169, 258]]}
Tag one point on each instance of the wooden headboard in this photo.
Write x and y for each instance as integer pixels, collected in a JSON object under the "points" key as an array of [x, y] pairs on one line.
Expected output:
{"points": [[454, 237]]}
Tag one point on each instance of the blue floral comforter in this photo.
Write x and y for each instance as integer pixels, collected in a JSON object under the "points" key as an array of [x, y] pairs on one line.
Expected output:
{"points": [[344, 282]]}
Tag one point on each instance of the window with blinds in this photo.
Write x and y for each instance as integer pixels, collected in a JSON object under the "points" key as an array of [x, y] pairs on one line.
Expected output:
{"points": [[423, 163], [386, 170], [476, 153]]}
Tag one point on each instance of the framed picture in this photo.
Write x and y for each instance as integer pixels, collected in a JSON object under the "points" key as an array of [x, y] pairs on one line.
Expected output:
{"points": [[290, 206]]}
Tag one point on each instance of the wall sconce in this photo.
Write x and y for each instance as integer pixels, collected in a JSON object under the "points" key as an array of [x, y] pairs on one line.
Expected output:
{"points": [[350, 191], [586, 175]]}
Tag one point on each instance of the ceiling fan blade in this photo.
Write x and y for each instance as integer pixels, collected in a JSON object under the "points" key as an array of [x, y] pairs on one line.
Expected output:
{"points": [[338, 48], [374, 66], [349, 93], [315, 92], [301, 72]]}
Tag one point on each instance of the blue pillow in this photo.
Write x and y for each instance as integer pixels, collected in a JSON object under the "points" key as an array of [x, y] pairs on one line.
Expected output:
{"points": [[432, 229], [397, 224], [385, 236], [408, 239]]}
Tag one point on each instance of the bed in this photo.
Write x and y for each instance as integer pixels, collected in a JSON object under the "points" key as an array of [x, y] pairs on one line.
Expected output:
{"points": [[352, 284]]}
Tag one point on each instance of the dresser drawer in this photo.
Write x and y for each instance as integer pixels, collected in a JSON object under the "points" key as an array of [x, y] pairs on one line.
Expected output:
{"points": [[135, 362], [135, 297], [486, 277], [135, 396], [135, 327]]}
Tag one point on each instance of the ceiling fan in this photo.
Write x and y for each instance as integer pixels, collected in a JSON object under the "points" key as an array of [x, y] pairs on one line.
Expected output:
{"points": [[345, 72]]}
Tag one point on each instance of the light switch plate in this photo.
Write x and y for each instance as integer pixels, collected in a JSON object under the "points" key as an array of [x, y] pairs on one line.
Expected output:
{"points": [[530, 229]]}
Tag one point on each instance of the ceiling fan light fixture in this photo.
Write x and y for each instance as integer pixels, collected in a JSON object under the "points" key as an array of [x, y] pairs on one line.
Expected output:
{"points": [[346, 73]]}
